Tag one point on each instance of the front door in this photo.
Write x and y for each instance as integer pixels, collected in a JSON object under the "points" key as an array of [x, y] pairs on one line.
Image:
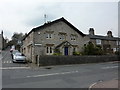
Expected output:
{"points": [[66, 51]]}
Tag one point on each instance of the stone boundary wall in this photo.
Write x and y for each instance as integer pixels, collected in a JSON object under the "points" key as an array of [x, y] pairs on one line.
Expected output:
{"points": [[64, 60]]}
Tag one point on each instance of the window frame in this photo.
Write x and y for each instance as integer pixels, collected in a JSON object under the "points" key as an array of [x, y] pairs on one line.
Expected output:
{"points": [[98, 41], [49, 50], [49, 36]]}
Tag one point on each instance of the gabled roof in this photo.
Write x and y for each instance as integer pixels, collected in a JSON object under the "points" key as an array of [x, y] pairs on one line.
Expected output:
{"points": [[64, 42], [51, 23], [103, 37]]}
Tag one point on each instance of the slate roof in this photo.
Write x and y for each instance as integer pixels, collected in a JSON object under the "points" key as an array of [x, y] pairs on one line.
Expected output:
{"points": [[103, 37], [55, 21]]}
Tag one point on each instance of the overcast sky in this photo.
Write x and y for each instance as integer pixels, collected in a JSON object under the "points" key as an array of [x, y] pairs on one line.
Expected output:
{"points": [[23, 15]]}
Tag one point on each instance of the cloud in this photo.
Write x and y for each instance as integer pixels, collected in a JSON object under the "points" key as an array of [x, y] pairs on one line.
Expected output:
{"points": [[22, 16]]}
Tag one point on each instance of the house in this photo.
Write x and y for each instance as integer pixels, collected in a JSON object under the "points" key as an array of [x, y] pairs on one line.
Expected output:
{"points": [[108, 43], [58, 36], [2, 41], [61, 37]]}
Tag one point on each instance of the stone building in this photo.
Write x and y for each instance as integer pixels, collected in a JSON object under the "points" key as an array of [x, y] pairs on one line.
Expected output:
{"points": [[1, 41], [109, 43], [58, 36]]}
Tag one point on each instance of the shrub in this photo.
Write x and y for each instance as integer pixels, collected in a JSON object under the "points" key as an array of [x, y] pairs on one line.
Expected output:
{"points": [[57, 54], [91, 49], [117, 53], [77, 53]]}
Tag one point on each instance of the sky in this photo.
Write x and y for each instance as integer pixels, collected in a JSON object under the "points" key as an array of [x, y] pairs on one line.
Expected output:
{"points": [[23, 15]]}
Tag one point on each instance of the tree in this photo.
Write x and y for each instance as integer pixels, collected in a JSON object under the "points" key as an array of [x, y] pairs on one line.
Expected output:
{"points": [[16, 39], [91, 49]]}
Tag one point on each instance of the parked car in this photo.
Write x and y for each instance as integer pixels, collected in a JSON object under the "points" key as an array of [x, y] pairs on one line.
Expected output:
{"points": [[13, 53], [19, 58], [16, 54]]}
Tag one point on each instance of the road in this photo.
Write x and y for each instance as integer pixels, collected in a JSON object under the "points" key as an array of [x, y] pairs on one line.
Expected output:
{"points": [[16, 75]]}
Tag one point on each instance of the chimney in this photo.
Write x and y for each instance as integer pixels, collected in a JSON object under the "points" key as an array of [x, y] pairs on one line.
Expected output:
{"points": [[109, 34], [2, 32], [91, 31]]}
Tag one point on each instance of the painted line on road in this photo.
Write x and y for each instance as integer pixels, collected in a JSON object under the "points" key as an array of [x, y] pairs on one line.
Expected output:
{"points": [[92, 85], [5, 68], [62, 73], [7, 62], [109, 67]]}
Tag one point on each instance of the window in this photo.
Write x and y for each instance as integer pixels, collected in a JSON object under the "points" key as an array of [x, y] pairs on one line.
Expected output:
{"points": [[118, 42], [73, 38], [49, 50], [98, 41], [62, 37], [49, 35]]}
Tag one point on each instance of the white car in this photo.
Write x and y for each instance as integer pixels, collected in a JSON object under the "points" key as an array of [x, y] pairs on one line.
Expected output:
{"points": [[16, 54], [19, 58]]}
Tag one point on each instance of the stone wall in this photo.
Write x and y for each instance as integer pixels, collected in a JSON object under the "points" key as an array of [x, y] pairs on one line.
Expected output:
{"points": [[63, 60]]}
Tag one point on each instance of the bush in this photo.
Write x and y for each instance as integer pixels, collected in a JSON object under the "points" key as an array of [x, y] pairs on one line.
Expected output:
{"points": [[57, 54], [77, 53], [117, 53], [91, 49]]}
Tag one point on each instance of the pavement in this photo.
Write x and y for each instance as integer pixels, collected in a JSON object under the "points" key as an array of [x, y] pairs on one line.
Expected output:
{"points": [[106, 84]]}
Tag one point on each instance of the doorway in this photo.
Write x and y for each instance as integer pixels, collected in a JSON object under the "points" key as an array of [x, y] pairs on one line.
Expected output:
{"points": [[66, 51]]}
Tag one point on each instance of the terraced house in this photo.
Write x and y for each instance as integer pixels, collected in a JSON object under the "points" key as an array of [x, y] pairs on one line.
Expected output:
{"points": [[109, 43], [60, 36]]}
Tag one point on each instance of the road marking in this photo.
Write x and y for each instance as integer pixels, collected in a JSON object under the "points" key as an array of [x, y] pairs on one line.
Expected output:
{"points": [[92, 85], [4, 68], [109, 67], [42, 75], [10, 61], [6, 61]]}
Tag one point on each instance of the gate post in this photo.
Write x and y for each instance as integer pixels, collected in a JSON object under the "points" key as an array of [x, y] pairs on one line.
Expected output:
{"points": [[38, 63]]}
